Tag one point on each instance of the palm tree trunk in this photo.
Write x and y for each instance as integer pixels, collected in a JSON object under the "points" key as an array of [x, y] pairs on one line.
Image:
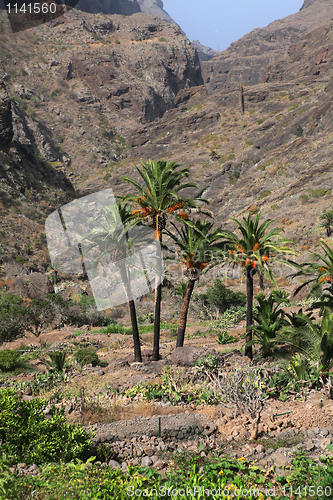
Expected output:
{"points": [[135, 331], [249, 311], [132, 309], [183, 314], [158, 299]]}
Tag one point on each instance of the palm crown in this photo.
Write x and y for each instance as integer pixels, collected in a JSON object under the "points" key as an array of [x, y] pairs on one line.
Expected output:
{"points": [[199, 244], [158, 195], [257, 247]]}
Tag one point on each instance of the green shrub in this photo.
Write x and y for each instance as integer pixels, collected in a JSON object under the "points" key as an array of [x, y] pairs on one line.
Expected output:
{"points": [[318, 193], [303, 198], [86, 356], [12, 318], [146, 318], [230, 317], [8, 359], [275, 207], [220, 297], [265, 193], [20, 259], [233, 178], [248, 142], [28, 437]]}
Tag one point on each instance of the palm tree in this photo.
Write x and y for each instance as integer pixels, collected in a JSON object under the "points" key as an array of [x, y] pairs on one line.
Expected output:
{"points": [[321, 273], [200, 247], [113, 241], [158, 198], [255, 250], [327, 221], [314, 339]]}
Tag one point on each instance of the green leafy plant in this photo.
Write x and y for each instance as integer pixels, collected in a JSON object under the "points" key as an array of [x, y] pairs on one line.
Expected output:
{"points": [[27, 436], [225, 338], [220, 297], [12, 317], [86, 356], [269, 319], [8, 359], [57, 362]]}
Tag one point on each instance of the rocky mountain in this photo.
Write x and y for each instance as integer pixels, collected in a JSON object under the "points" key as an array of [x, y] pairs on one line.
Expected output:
{"points": [[156, 8], [247, 59], [97, 94], [204, 53]]}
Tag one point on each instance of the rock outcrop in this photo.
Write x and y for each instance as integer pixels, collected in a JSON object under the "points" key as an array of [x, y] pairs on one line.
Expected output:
{"points": [[6, 126]]}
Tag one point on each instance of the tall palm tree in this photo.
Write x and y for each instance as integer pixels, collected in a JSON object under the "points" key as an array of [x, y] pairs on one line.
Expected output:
{"points": [[157, 198], [201, 248], [113, 242], [256, 250]]}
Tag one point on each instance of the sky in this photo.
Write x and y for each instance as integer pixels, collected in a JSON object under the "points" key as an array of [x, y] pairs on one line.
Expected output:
{"points": [[218, 23]]}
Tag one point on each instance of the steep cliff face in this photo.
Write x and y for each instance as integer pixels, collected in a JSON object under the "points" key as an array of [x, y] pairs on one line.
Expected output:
{"points": [[93, 79], [248, 58], [6, 126]]}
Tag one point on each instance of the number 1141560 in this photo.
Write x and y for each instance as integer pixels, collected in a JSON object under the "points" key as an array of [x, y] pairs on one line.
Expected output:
{"points": [[32, 8]]}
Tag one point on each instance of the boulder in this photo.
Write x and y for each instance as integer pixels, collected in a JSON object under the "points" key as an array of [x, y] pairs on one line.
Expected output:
{"points": [[187, 356], [33, 286]]}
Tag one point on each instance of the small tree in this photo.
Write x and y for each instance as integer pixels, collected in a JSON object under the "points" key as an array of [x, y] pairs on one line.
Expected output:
{"points": [[38, 315], [327, 221], [241, 389]]}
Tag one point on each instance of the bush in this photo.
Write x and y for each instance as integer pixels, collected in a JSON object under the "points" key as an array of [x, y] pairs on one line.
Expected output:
{"points": [[221, 297], [8, 359], [265, 193], [11, 317], [38, 315], [146, 318], [86, 356], [20, 260], [28, 437]]}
